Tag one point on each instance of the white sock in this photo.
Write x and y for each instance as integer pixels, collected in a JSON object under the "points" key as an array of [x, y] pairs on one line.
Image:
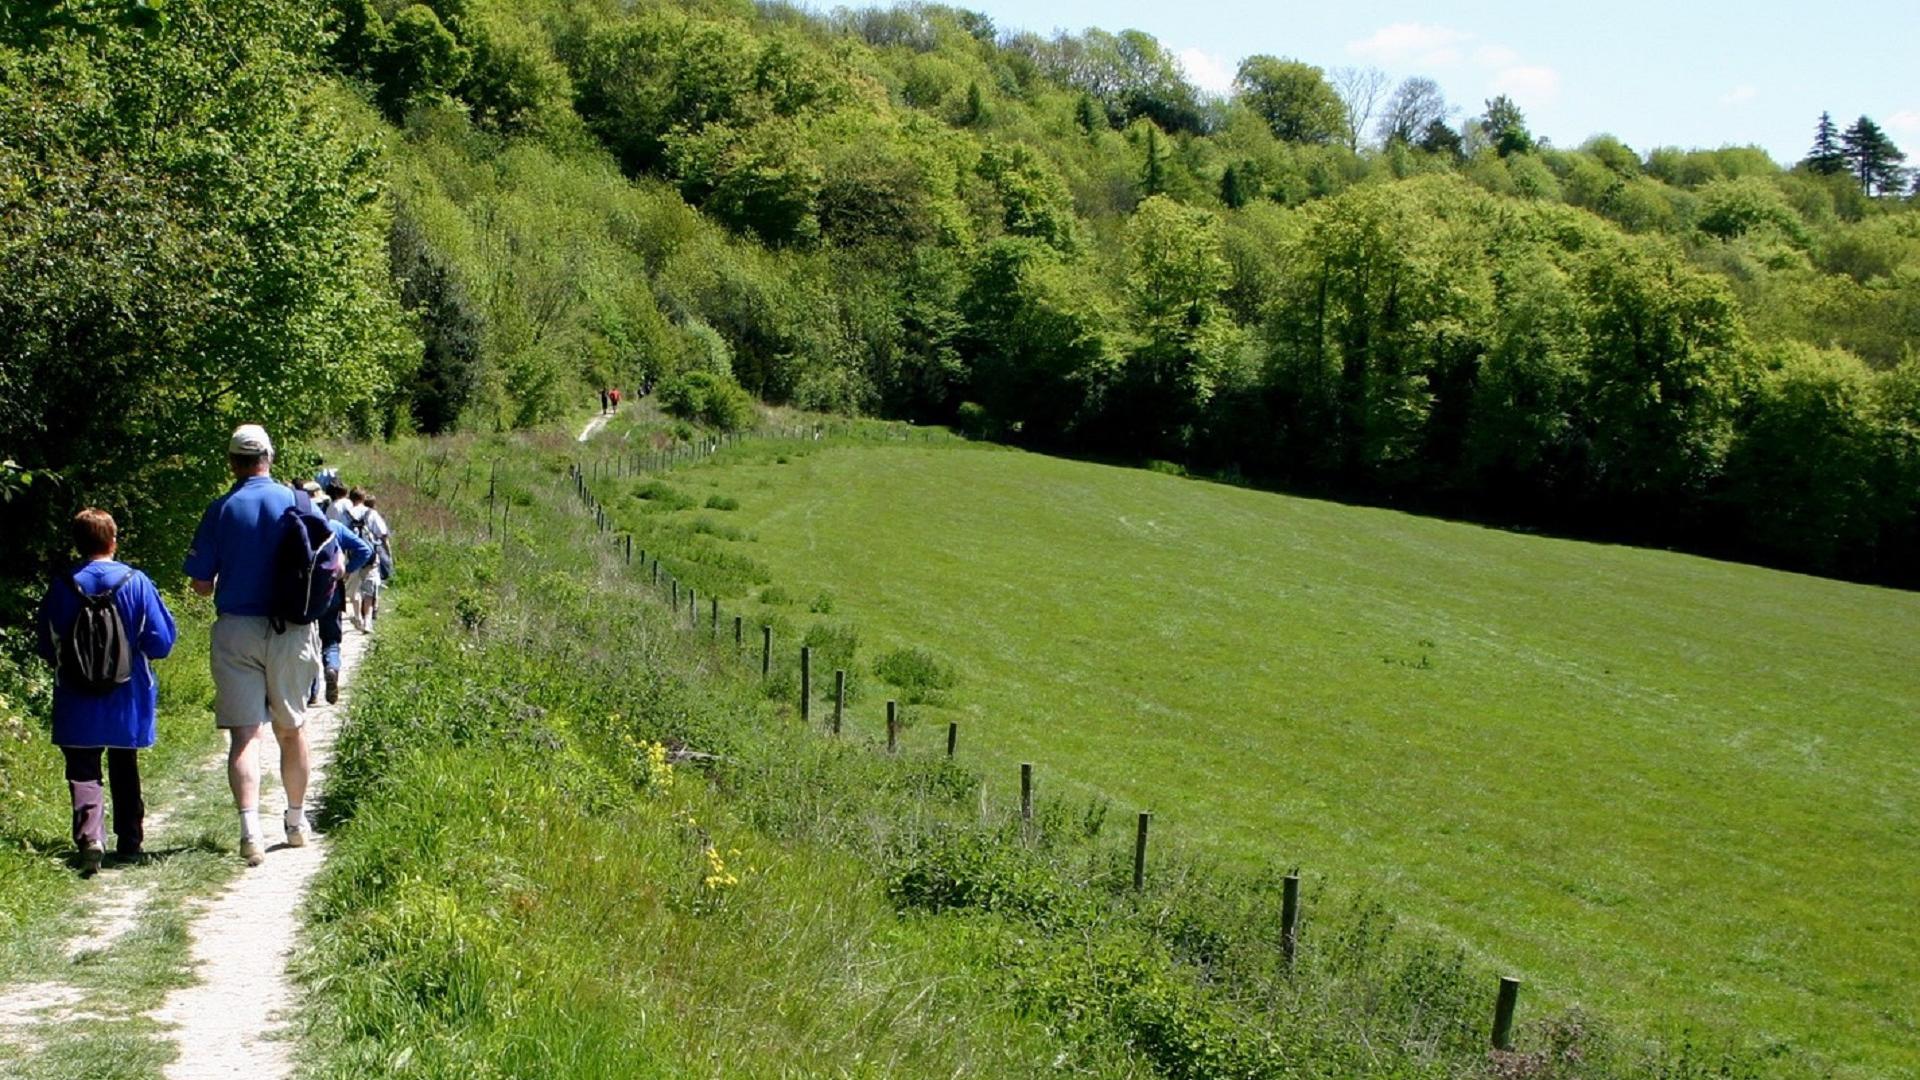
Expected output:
{"points": [[250, 824], [296, 817]]}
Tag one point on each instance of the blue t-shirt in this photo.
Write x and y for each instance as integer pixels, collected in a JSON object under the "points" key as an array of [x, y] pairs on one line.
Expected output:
{"points": [[235, 545], [123, 717], [357, 551]]}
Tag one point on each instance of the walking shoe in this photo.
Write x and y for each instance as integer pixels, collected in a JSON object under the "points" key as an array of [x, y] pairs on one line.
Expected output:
{"points": [[296, 830], [251, 851], [91, 855], [333, 685]]}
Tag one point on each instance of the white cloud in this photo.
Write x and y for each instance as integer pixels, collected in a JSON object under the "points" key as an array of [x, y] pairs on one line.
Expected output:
{"points": [[1495, 56], [1740, 95], [1906, 121], [1420, 44], [1211, 73], [1529, 85]]}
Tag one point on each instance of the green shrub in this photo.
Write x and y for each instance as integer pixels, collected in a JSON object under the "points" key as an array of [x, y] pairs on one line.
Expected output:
{"points": [[704, 397], [658, 495], [918, 673], [722, 502], [822, 604]]}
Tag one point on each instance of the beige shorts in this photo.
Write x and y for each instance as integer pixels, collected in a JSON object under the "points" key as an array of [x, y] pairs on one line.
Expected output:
{"points": [[260, 676]]}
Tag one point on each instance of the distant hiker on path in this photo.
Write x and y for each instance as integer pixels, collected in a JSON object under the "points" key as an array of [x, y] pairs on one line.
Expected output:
{"points": [[260, 674], [378, 534], [99, 626], [358, 518], [358, 554], [606, 400]]}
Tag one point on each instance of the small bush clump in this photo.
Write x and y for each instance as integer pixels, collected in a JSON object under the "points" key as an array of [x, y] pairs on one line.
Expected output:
{"points": [[919, 674], [722, 502], [659, 495]]}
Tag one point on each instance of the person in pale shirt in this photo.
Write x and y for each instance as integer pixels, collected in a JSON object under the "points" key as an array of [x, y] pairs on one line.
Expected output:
{"points": [[377, 534]]}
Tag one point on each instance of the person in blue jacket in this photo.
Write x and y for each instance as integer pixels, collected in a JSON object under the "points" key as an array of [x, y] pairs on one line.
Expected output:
{"points": [[121, 721]]}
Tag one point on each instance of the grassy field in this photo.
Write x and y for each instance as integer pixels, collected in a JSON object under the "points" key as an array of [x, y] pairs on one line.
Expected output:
{"points": [[1673, 791]]}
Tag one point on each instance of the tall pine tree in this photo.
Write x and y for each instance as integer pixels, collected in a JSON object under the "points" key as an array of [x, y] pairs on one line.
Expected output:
{"points": [[1874, 159], [1826, 157]]}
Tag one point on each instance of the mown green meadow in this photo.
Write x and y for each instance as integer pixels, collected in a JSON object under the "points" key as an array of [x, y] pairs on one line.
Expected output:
{"points": [[1665, 789]]}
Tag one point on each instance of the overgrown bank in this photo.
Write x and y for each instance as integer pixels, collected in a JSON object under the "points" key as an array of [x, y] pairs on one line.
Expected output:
{"points": [[522, 887]]}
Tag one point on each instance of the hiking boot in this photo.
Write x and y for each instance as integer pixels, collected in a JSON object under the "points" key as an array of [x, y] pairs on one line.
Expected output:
{"points": [[91, 855], [251, 851], [333, 685]]}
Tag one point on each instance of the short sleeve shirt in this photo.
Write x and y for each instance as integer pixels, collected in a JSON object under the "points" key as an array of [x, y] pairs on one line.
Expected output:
{"points": [[235, 545]]}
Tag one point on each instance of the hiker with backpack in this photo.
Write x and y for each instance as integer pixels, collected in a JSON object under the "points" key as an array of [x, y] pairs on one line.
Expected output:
{"points": [[359, 518], [100, 626], [382, 569], [357, 553], [271, 563]]}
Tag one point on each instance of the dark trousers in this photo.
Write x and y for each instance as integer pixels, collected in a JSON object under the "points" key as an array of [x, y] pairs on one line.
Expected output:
{"points": [[89, 809]]}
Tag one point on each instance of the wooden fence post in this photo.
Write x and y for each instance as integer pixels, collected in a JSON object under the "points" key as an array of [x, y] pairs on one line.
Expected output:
{"points": [[1503, 1012], [693, 609], [736, 633], [806, 684], [953, 736], [893, 726], [1026, 793], [766, 651], [1140, 851], [1289, 917], [839, 697], [715, 628], [629, 540]]}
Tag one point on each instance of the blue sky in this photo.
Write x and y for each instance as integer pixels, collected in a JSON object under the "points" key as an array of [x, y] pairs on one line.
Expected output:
{"points": [[1671, 73]]}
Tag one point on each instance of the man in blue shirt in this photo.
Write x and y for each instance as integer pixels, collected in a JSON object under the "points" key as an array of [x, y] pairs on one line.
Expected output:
{"points": [[260, 675], [120, 721]]}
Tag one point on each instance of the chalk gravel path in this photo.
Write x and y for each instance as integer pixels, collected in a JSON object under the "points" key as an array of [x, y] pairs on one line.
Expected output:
{"points": [[234, 1021], [593, 427]]}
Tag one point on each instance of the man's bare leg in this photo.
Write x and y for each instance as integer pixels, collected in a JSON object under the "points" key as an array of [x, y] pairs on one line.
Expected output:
{"points": [[293, 763], [243, 777], [243, 767]]}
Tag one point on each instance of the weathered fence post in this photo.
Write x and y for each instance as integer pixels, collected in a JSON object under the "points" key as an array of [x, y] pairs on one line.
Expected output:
{"points": [[953, 735], [693, 609], [766, 651], [1140, 851], [737, 643], [1026, 793], [629, 541], [893, 726], [806, 684], [1503, 1012], [715, 628], [1289, 916], [676, 596], [839, 697]]}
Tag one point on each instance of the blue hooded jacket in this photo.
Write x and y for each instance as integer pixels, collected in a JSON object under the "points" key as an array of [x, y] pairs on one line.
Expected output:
{"points": [[124, 717]]}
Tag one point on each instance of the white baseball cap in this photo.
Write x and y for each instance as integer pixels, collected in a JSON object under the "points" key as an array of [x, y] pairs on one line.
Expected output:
{"points": [[249, 440]]}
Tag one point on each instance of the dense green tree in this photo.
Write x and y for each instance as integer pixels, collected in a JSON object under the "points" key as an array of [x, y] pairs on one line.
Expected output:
{"points": [[206, 247], [1176, 274], [1506, 126], [1873, 158], [1293, 98], [1438, 138], [1827, 156], [1038, 342]]}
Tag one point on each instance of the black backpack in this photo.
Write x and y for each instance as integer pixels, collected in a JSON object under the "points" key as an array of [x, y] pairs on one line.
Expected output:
{"points": [[303, 562], [95, 653]]}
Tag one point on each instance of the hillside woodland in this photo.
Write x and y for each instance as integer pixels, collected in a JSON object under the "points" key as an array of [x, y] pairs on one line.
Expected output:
{"points": [[369, 217]]}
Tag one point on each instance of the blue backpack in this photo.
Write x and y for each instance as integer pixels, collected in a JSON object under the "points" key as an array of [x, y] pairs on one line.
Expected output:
{"points": [[303, 566]]}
